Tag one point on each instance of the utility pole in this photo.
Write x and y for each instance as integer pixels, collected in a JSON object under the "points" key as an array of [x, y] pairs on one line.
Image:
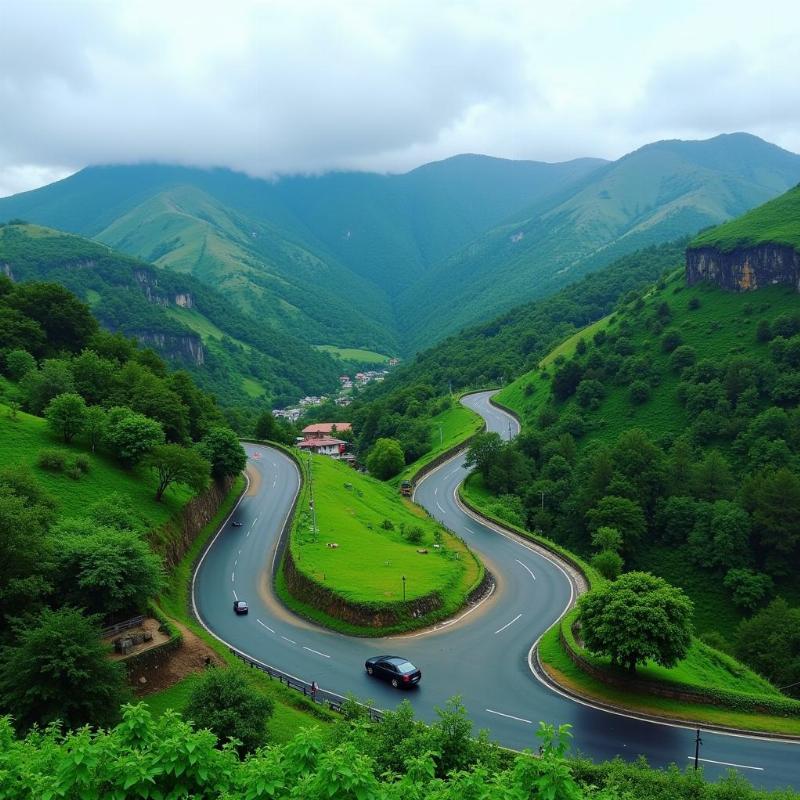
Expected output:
{"points": [[404, 588], [697, 742], [441, 437], [311, 500], [541, 492]]}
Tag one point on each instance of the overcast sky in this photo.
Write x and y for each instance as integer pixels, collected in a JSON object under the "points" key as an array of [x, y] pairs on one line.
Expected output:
{"points": [[291, 86]]}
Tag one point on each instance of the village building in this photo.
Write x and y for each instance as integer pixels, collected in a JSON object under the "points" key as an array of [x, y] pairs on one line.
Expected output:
{"points": [[322, 429], [323, 446]]}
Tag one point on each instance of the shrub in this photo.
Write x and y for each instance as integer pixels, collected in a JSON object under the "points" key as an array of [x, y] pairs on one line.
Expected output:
{"points": [[639, 392], [671, 340], [414, 534], [82, 463], [387, 525], [608, 564], [694, 304], [53, 459]]}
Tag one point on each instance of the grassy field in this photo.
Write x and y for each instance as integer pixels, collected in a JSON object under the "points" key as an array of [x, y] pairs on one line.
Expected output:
{"points": [[22, 438], [292, 710], [354, 354], [370, 560], [563, 670], [776, 222], [449, 428]]}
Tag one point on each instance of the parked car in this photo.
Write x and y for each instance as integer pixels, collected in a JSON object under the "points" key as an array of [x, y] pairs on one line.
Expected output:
{"points": [[240, 607], [398, 671]]}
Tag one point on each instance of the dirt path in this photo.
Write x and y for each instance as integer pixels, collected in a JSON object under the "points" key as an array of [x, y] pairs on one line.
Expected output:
{"points": [[190, 657]]}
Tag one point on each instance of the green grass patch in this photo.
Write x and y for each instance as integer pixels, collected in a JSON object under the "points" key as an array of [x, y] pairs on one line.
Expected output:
{"points": [[566, 673], [22, 438], [449, 429], [370, 560], [775, 222], [354, 354]]}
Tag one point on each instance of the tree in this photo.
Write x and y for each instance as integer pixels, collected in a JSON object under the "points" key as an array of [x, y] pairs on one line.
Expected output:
{"points": [[106, 571], [94, 376], [566, 380], [175, 464], [747, 588], [94, 423], [636, 618], [66, 414], [639, 392], [226, 704], [221, 447], [682, 357], [625, 515], [608, 563], [385, 459], [130, 436], [19, 363], [589, 393], [59, 670], [770, 643], [267, 427], [484, 452], [40, 386], [605, 538]]}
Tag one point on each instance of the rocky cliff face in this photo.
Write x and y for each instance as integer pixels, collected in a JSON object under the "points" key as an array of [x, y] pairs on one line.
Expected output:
{"points": [[746, 268], [187, 347], [148, 283]]}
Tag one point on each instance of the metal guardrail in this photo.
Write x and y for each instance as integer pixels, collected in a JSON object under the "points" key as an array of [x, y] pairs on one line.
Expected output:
{"points": [[122, 626], [327, 699]]}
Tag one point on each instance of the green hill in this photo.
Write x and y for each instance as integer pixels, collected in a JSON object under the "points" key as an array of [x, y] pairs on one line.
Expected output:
{"points": [[367, 261], [228, 351], [776, 222], [655, 194]]}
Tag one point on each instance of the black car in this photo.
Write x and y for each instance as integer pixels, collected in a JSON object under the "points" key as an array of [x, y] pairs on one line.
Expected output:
{"points": [[398, 671], [240, 607], [236, 524]]}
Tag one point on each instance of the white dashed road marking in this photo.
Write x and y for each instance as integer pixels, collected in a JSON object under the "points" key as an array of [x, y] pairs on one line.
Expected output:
{"points": [[235, 596], [509, 716], [508, 624], [232, 574], [265, 626], [291, 641], [324, 655]]}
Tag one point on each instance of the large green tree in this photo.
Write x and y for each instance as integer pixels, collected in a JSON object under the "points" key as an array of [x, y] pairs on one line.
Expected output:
{"points": [[58, 669], [66, 414], [225, 702], [385, 459], [130, 436], [104, 570], [638, 617], [222, 448], [175, 464]]}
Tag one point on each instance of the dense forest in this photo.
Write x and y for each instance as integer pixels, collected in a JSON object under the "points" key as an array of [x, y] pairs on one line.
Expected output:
{"points": [[675, 426], [247, 365], [123, 444]]}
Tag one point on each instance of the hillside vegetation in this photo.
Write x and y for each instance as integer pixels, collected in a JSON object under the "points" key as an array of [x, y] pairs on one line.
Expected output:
{"points": [[357, 260], [243, 361], [775, 222]]}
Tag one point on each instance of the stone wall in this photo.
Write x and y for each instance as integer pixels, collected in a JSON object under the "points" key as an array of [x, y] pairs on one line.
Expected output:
{"points": [[746, 268], [174, 538]]}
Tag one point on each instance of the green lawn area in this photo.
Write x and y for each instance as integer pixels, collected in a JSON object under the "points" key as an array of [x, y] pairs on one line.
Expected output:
{"points": [[354, 354], [449, 428], [369, 562], [252, 388], [22, 438], [567, 674]]}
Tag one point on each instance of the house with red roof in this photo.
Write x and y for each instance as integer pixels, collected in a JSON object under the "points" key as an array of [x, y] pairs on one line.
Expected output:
{"points": [[323, 446], [319, 429]]}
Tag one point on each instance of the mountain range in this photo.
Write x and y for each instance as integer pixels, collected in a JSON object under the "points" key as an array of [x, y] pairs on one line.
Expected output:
{"points": [[394, 263]]}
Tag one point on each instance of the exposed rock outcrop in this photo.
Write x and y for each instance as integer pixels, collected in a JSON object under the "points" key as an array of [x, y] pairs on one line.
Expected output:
{"points": [[187, 347], [745, 268]]}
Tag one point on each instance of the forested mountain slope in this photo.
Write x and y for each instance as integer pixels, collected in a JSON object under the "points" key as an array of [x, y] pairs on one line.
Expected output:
{"points": [[658, 193], [371, 261], [242, 359]]}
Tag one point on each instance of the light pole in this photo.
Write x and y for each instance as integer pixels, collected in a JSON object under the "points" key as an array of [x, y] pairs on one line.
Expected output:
{"points": [[404, 588], [311, 500], [441, 437], [697, 742]]}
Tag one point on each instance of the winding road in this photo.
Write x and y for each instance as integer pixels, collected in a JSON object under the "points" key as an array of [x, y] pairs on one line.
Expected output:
{"points": [[483, 655]]}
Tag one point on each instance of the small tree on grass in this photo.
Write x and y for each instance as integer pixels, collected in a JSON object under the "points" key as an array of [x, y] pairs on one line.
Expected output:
{"points": [[385, 459], [130, 435], [58, 670], [65, 414], [608, 563], [94, 424], [636, 618], [19, 363], [226, 704], [175, 464]]}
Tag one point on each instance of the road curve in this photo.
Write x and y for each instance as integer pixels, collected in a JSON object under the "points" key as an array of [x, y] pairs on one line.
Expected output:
{"points": [[483, 657]]}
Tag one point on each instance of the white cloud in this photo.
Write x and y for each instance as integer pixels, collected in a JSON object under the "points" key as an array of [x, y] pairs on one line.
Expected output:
{"points": [[306, 86]]}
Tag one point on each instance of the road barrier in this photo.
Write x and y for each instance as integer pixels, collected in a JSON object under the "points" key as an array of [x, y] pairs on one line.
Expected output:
{"points": [[334, 702]]}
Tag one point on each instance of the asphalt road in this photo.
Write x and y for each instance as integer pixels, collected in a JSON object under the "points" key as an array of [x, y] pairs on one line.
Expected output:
{"points": [[482, 656]]}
